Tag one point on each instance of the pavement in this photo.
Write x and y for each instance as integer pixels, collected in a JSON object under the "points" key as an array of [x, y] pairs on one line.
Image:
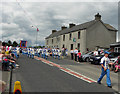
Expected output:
{"points": [[5, 76], [39, 75]]}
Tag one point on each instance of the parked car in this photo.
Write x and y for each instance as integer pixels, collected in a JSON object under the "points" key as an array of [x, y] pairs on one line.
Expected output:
{"points": [[86, 56], [113, 59], [97, 59]]}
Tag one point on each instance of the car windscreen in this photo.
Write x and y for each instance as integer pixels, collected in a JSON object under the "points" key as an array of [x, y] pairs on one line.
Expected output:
{"points": [[112, 55]]}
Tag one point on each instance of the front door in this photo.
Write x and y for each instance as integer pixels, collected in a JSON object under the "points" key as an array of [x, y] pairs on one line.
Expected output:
{"points": [[71, 46]]}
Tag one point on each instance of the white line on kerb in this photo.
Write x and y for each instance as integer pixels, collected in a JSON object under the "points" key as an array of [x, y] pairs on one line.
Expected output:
{"points": [[47, 63], [81, 75], [75, 76]]}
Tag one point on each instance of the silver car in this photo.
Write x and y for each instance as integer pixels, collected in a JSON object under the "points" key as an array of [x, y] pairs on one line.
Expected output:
{"points": [[86, 58]]}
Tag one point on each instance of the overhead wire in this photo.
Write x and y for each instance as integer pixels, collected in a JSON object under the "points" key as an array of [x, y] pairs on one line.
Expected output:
{"points": [[27, 15]]}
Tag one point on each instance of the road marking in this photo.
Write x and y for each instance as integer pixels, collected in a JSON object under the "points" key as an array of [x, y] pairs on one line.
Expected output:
{"points": [[67, 70], [81, 75]]}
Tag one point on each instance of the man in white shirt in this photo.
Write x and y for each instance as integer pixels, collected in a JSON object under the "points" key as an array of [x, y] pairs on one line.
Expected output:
{"points": [[75, 53], [33, 53], [72, 53], [95, 52], [105, 70]]}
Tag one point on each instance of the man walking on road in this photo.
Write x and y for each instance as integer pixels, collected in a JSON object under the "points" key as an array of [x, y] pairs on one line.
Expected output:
{"points": [[105, 70]]}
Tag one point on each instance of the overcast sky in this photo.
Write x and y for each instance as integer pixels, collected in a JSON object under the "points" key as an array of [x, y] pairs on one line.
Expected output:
{"points": [[17, 23]]}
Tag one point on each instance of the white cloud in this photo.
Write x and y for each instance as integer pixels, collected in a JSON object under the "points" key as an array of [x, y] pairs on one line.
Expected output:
{"points": [[17, 25]]}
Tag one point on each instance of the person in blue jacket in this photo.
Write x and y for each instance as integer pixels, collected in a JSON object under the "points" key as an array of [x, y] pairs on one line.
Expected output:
{"points": [[105, 70]]}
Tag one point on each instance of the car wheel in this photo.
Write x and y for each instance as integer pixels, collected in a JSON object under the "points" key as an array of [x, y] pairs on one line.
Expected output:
{"points": [[92, 62], [87, 60]]}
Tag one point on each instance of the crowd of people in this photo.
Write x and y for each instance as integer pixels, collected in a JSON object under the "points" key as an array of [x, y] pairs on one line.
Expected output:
{"points": [[45, 52], [54, 52], [8, 59]]}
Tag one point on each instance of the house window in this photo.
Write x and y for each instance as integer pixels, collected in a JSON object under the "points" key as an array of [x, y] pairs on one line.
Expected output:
{"points": [[47, 42], [58, 39], [52, 41], [70, 36], [71, 48], [78, 46], [79, 35], [63, 46], [63, 37]]}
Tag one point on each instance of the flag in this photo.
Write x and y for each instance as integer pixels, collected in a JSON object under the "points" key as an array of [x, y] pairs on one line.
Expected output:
{"points": [[37, 29]]}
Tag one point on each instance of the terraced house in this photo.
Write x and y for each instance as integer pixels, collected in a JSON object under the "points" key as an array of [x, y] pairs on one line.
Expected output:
{"points": [[89, 35]]}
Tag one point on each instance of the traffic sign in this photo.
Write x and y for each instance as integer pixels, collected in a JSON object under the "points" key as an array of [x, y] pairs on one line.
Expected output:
{"points": [[74, 39]]}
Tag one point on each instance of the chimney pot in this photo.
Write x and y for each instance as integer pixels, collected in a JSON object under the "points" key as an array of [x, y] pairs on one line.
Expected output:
{"points": [[71, 25], [63, 27], [53, 31], [97, 16]]}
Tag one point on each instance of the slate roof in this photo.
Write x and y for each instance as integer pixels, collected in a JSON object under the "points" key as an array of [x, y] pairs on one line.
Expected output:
{"points": [[80, 27]]}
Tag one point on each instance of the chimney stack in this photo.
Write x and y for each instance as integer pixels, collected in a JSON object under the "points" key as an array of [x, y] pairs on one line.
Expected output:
{"points": [[63, 27], [53, 31], [71, 25], [97, 16]]}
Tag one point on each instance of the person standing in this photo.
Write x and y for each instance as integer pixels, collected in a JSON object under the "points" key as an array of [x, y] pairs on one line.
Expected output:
{"points": [[58, 53], [33, 53], [66, 52], [72, 53], [79, 56], [117, 65], [42, 54], [95, 53], [63, 52], [105, 70], [75, 53], [46, 53]]}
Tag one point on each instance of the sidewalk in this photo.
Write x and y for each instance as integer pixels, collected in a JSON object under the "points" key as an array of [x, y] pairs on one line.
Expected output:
{"points": [[5, 76], [86, 69]]}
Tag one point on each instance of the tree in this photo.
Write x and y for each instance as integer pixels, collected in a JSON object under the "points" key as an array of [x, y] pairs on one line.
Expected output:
{"points": [[4, 44], [15, 44], [9, 43]]}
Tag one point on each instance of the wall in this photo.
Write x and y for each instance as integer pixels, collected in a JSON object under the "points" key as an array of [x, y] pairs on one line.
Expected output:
{"points": [[98, 35]]}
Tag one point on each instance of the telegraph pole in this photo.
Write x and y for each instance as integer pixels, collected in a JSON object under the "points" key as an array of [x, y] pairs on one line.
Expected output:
{"points": [[36, 38]]}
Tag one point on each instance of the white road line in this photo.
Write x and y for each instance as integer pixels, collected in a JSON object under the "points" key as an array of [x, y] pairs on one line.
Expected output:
{"points": [[47, 63], [81, 75], [75, 76]]}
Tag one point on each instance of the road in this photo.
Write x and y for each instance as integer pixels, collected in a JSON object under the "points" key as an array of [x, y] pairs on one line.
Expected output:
{"points": [[37, 76]]}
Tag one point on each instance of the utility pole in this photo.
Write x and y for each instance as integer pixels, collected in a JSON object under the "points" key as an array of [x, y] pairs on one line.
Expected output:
{"points": [[36, 38]]}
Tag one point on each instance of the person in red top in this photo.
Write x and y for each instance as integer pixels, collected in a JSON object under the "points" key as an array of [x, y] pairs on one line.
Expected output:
{"points": [[79, 56], [117, 66]]}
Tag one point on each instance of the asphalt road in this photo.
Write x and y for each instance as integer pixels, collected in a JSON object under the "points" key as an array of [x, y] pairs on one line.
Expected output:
{"points": [[35, 76]]}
